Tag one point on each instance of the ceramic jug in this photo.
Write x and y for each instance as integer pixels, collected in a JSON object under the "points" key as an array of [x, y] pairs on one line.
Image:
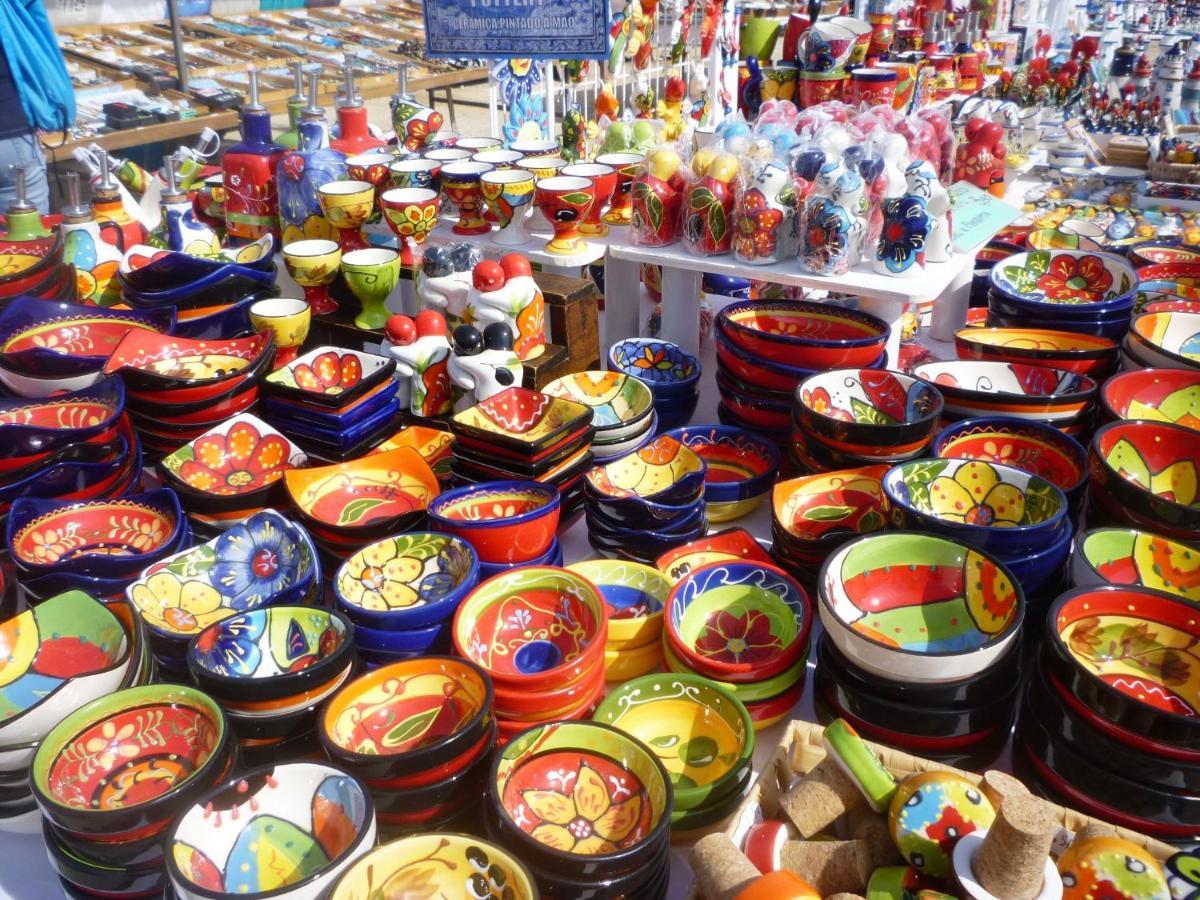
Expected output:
{"points": [[302, 172]]}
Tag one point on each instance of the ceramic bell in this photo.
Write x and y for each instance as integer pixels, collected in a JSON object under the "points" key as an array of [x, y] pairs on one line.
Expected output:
{"points": [[445, 280], [906, 226], [302, 172], [765, 224], [482, 365], [834, 221], [96, 261], [422, 353], [923, 182], [508, 293]]}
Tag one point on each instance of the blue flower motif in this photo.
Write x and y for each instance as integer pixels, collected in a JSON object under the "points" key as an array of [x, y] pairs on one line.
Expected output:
{"points": [[232, 649], [254, 564], [905, 227]]}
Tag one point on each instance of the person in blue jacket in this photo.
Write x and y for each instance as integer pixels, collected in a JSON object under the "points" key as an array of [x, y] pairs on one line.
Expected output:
{"points": [[35, 94]]}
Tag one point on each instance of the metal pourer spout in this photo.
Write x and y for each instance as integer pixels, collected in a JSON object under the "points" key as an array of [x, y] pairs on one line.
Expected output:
{"points": [[403, 70], [172, 194], [253, 105], [313, 110], [348, 98], [298, 80], [75, 211]]}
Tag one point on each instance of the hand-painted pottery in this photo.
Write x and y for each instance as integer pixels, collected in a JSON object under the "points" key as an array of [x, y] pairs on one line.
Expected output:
{"points": [[521, 420], [507, 193], [1186, 274], [542, 166], [534, 627], [644, 431], [287, 318], [641, 545], [58, 656], [988, 505], [313, 264], [609, 787], [812, 335], [21, 385], [663, 471], [1076, 280], [1148, 474], [997, 388], [407, 717], [1039, 449], [1156, 395], [1137, 559], [754, 369], [867, 411], [919, 607], [330, 376], [264, 561], [1167, 340], [155, 363], [42, 338], [664, 366], [1066, 350], [35, 428], [700, 732], [620, 404], [461, 186], [739, 465], [1111, 865], [738, 621], [347, 205], [564, 201], [391, 646], [285, 831], [97, 538], [631, 662], [407, 581], [831, 505], [505, 521], [384, 491], [513, 705], [124, 765], [371, 273], [626, 164], [433, 444], [635, 595]]}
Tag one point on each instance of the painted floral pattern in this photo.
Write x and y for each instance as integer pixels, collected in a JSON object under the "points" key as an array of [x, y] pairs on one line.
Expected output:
{"points": [[757, 232], [377, 578], [1082, 280], [738, 638], [975, 495], [328, 373], [905, 227], [172, 604], [587, 820], [242, 459]]}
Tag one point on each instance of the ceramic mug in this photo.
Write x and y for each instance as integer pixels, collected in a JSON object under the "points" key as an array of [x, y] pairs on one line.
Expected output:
{"points": [[288, 319], [818, 87], [874, 87], [862, 38], [779, 82], [826, 47], [757, 37]]}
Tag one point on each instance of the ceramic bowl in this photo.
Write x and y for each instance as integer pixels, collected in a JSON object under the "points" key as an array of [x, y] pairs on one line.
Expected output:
{"points": [[868, 412], [635, 595], [997, 388], [665, 367], [1139, 559], [750, 368], [1156, 395], [406, 718], [21, 385], [1041, 571], [1077, 281], [621, 404], [830, 506], [43, 587], [514, 706], [750, 408], [919, 607], [408, 581], [640, 546], [60, 655], [552, 557], [191, 370], [607, 778], [534, 627], [217, 289], [283, 831], [170, 270], [1108, 329], [812, 335], [403, 643], [700, 732], [1148, 472], [1168, 340], [125, 764], [606, 451], [1039, 449], [1066, 350], [631, 662], [521, 421], [663, 471], [739, 465], [35, 428], [505, 521], [329, 377], [738, 621], [989, 505]]}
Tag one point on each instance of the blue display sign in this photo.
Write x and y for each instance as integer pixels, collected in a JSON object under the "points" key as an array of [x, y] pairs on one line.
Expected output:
{"points": [[502, 29]]}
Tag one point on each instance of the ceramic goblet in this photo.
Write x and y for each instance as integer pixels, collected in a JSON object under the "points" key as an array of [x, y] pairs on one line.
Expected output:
{"points": [[500, 159], [372, 167], [604, 180], [347, 205], [460, 185], [416, 173], [537, 147], [477, 144], [313, 264], [444, 155], [508, 192], [411, 213], [288, 318], [565, 200], [620, 212], [371, 275], [543, 166]]}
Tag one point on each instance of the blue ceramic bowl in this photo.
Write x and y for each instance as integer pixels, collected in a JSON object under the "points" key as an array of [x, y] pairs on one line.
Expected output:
{"points": [[644, 546], [666, 367], [633, 512], [412, 640], [673, 412], [1036, 570], [994, 507], [683, 524], [231, 322], [43, 587], [1081, 282], [295, 414], [1112, 330], [553, 557], [740, 463], [1009, 306], [65, 478], [219, 290], [36, 427], [174, 268]]}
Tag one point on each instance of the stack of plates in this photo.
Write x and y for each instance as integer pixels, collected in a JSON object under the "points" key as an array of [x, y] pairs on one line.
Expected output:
{"points": [[623, 410], [1166, 340]]}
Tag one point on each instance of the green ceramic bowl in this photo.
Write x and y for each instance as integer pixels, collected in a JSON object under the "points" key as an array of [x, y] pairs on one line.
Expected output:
{"points": [[751, 691]]}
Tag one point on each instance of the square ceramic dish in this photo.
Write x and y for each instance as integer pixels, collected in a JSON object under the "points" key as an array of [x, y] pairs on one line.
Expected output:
{"points": [[376, 425], [329, 377], [522, 421], [301, 415]]}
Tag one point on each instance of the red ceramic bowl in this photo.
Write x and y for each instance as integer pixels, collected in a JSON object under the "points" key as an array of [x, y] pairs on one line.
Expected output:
{"points": [[188, 369], [754, 408], [805, 335], [546, 705], [441, 771], [1158, 395], [1151, 470], [1178, 272], [505, 521], [1084, 353]]}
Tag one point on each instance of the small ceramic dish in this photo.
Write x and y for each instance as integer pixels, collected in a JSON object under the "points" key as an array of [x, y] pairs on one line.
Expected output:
{"points": [[1125, 556], [700, 732], [648, 881], [43, 587], [813, 335], [868, 412], [432, 443], [831, 505], [455, 864], [997, 388], [1044, 568], [1160, 252], [408, 717], [631, 662], [408, 581], [606, 449], [36, 388], [129, 762], [918, 607], [664, 471], [505, 521], [685, 522], [403, 643], [1156, 395], [1167, 340], [330, 377], [301, 416], [521, 421], [533, 628], [754, 409], [81, 877], [730, 544], [739, 464], [750, 368], [1066, 350], [620, 404], [606, 778], [988, 505], [197, 369], [33, 428], [282, 831], [1078, 281], [635, 595], [1149, 470], [665, 367]]}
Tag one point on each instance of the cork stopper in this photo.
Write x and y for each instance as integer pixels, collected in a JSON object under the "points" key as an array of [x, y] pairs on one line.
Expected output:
{"points": [[829, 866], [1012, 858], [998, 786], [722, 870], [820, 798], [1095, 830], [868, 826]]}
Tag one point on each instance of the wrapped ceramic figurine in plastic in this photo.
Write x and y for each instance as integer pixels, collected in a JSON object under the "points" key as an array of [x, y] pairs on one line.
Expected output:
{"points": [[422, 353], [835, 219], [708, 207], [923, 182], [766, 227], [658, 193], [906, 225]]}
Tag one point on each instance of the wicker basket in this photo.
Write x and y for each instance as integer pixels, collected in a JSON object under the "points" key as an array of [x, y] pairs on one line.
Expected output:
{"points": [[800, 750]]}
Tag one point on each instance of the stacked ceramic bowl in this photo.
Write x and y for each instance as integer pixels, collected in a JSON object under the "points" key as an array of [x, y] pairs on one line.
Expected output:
{"points": [[107, 814], [672, 375], [675, 715], [95, 546], [271, 686], [519, 433], [1063, 290], [177, 389], [623, 411], [335, 404], [45, 276], [635, 595], [764, 351], [539, 632], [1166, 340], [745, 625], [419, 734], [71, 650], [230, 472], [401, 593], [618, 796], [510, 524], [1140, 559], [1069, 351], [1157, 395], [189, 282], [740, 467], [646, 502], [1117, 734], [921, 644], [846, 418]]}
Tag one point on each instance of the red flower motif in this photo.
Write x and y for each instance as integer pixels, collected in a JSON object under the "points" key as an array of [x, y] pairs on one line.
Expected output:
{"points": [[738, 639], [949, 828], [1082, 280], [328, 374]]}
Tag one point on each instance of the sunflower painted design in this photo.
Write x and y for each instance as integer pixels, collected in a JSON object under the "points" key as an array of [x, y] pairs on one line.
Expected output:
{"points": [[975, 495], [378, 579], [586, 821]]}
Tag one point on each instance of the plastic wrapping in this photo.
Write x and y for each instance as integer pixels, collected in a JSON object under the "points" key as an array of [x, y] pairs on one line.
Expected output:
{"points": [[658, 194]]}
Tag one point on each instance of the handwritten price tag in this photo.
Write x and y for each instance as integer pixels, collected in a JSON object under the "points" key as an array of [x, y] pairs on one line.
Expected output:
{"points": [[977, 215]]}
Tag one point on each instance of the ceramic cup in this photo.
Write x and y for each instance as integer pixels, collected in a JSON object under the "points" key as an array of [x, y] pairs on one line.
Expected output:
{"points": [[415, 173], [371, 274], [826, 47], [411, 213], [477, 144], [507, 193], [541, 147], [460, 185], [564, 201], [499, 159], [372, 167], [626, 164], [313, 264], [604, 181], [288, 318], [543, 166], [443, 155], [347, 205]]}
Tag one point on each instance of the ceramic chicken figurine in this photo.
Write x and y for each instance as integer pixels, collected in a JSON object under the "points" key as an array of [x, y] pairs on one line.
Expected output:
{"points": [[445, 280], [483, 365], [422, 353], [980, 157], [508, 293]]}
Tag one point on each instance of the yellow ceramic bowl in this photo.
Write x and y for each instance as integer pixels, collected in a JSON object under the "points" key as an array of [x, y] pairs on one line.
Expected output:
{"points": [[347, 204], [312, 263], [734, 509], [635, 595], [621, 665]]}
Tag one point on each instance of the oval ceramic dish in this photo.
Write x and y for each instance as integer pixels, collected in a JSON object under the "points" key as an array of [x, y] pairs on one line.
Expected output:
{"points": [[997, 388], [1065, 280], [831, 505], [1155, 395], [1134, 558], [1066, 350], [505, 521]]}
